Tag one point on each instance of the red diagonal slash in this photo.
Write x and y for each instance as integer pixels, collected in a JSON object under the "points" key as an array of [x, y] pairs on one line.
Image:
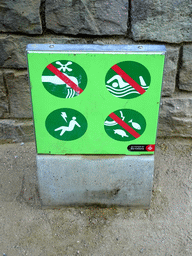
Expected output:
{"points": [[64, 78], [124, 125], [128, 79]]}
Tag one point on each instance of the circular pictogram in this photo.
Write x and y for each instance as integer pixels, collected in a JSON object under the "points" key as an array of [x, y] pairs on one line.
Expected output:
{"points": [[64, 79], [127, 80], [66, 124], [125, 125]]}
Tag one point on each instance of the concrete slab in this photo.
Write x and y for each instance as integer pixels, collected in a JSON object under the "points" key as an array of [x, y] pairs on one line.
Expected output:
{"points": [[106, 180]]}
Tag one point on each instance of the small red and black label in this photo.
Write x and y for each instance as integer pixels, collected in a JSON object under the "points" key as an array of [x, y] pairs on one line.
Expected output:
{"points": [[149, 148]]}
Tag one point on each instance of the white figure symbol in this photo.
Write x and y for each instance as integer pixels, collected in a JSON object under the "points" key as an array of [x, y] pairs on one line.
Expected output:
{"points": [[121, 88], [112, 123], [69, 128], [120, 81], [135, 125]]}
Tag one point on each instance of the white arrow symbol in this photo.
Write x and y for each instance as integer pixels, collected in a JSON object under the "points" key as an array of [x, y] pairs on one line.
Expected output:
{"points": [[64, 115]]}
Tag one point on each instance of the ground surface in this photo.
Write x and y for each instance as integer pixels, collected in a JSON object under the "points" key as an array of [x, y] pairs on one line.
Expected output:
{"points": [[164, 229]]}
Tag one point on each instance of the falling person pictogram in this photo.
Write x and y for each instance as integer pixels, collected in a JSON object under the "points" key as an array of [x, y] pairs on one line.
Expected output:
{"points": [[69, 128]]}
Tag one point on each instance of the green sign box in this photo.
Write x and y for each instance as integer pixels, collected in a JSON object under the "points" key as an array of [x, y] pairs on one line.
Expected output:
{"points": [[90, 99]]}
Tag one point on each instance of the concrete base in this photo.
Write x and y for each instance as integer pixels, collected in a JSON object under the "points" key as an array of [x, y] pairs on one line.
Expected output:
{"points": [[106, 180]]}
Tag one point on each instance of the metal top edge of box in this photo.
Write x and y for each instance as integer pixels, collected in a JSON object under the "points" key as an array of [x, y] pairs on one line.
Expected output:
{"points": [[96, 48]]}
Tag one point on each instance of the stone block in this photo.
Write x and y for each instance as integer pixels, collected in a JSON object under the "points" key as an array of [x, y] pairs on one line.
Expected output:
{"points": [[20, 16], [91, 17], [19, 94], [16, 131], [106, 179], [175, 117], [170, 70], [4, 105], [165, 20], [13, 48], [185, 76], [113, 40]]}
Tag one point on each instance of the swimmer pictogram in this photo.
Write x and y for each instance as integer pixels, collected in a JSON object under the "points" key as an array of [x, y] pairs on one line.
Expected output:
{"points": [[127, 80]]}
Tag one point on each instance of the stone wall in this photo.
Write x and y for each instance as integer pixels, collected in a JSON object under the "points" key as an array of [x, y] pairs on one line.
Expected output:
{"points": [[167, 22]]}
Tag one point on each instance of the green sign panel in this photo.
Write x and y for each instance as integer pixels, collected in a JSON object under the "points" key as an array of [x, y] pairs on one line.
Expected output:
{"points": [[95, 101]]}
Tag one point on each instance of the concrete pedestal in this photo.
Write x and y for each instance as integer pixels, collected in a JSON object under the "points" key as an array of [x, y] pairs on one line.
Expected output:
{"points": [[105, 180]]}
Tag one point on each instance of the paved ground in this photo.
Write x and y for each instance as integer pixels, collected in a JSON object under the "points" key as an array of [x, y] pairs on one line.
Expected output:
{"points": [[164, 229]]}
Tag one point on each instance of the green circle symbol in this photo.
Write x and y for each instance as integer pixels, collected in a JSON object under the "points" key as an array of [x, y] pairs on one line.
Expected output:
{"points": [[66, 124], [127, 80], [64, 79], [125, 125]]}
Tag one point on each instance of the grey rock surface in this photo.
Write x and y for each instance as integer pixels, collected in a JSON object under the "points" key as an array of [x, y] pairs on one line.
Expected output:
{"points": [[16, 130], [19, 94], [92, 17], [4, 105], [20, 16], [170, 70], [185, 76], [13, 48], [175, 117], [165, 20], [113, 40]]}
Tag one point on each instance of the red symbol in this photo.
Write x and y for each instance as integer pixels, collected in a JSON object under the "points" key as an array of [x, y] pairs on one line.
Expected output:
{"points": [[128, 79], [64, 78], [150, 147], [124, 125]]}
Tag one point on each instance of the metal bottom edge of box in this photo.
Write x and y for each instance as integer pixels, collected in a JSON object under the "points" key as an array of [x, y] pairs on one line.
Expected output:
{"points": [[91, 179]]}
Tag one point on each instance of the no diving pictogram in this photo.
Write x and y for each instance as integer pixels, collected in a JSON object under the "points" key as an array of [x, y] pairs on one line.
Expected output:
{"points": [[64, 79], [125, 125], [127, 79]]}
